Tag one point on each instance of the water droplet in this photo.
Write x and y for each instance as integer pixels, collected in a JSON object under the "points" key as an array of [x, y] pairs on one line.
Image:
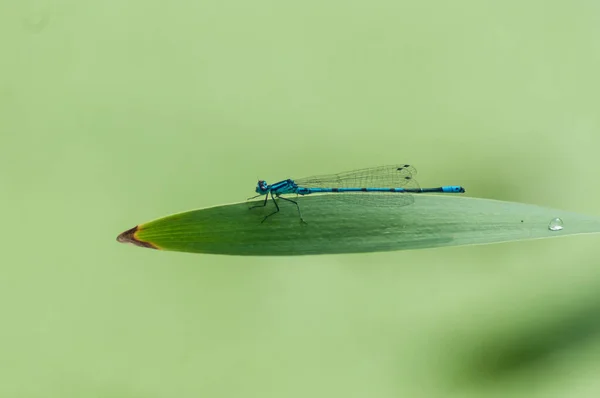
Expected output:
{"points": [[556, 224]]}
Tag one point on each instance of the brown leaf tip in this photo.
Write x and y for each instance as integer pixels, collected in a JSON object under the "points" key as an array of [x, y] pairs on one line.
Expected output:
{"points": [[129, 237]]}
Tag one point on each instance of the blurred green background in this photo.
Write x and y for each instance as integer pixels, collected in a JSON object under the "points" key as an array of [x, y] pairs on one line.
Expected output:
{"points": [[116, 113]]}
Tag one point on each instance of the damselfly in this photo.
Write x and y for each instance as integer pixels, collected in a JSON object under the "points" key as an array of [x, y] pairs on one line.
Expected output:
{"points": [[395, 180]]}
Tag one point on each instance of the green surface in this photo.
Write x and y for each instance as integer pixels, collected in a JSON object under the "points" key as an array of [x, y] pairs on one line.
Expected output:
{"points": [[115, 113], [337, 227]]}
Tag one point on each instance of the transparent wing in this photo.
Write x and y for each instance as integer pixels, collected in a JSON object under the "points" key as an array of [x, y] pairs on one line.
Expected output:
{"points": [[383, 199], [392, 176], [376, 199]]}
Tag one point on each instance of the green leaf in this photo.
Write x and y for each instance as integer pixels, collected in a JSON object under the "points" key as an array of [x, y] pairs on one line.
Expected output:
{"points": [[337, 227]]}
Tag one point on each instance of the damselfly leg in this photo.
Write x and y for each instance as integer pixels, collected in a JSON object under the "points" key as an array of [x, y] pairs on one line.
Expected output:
{"points": [[264, 202], [297, 206], [276, 206]]}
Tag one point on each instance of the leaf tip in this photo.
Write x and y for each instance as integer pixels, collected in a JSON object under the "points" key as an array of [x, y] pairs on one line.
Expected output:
{"points": [[130, 237]]}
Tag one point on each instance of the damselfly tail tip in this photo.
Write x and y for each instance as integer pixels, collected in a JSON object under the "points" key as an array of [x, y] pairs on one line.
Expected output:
{"points": [[452, 189], [130, 238]]}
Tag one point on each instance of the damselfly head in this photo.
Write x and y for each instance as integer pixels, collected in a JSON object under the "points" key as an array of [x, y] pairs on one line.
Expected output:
{"points": [[262, 187]]}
